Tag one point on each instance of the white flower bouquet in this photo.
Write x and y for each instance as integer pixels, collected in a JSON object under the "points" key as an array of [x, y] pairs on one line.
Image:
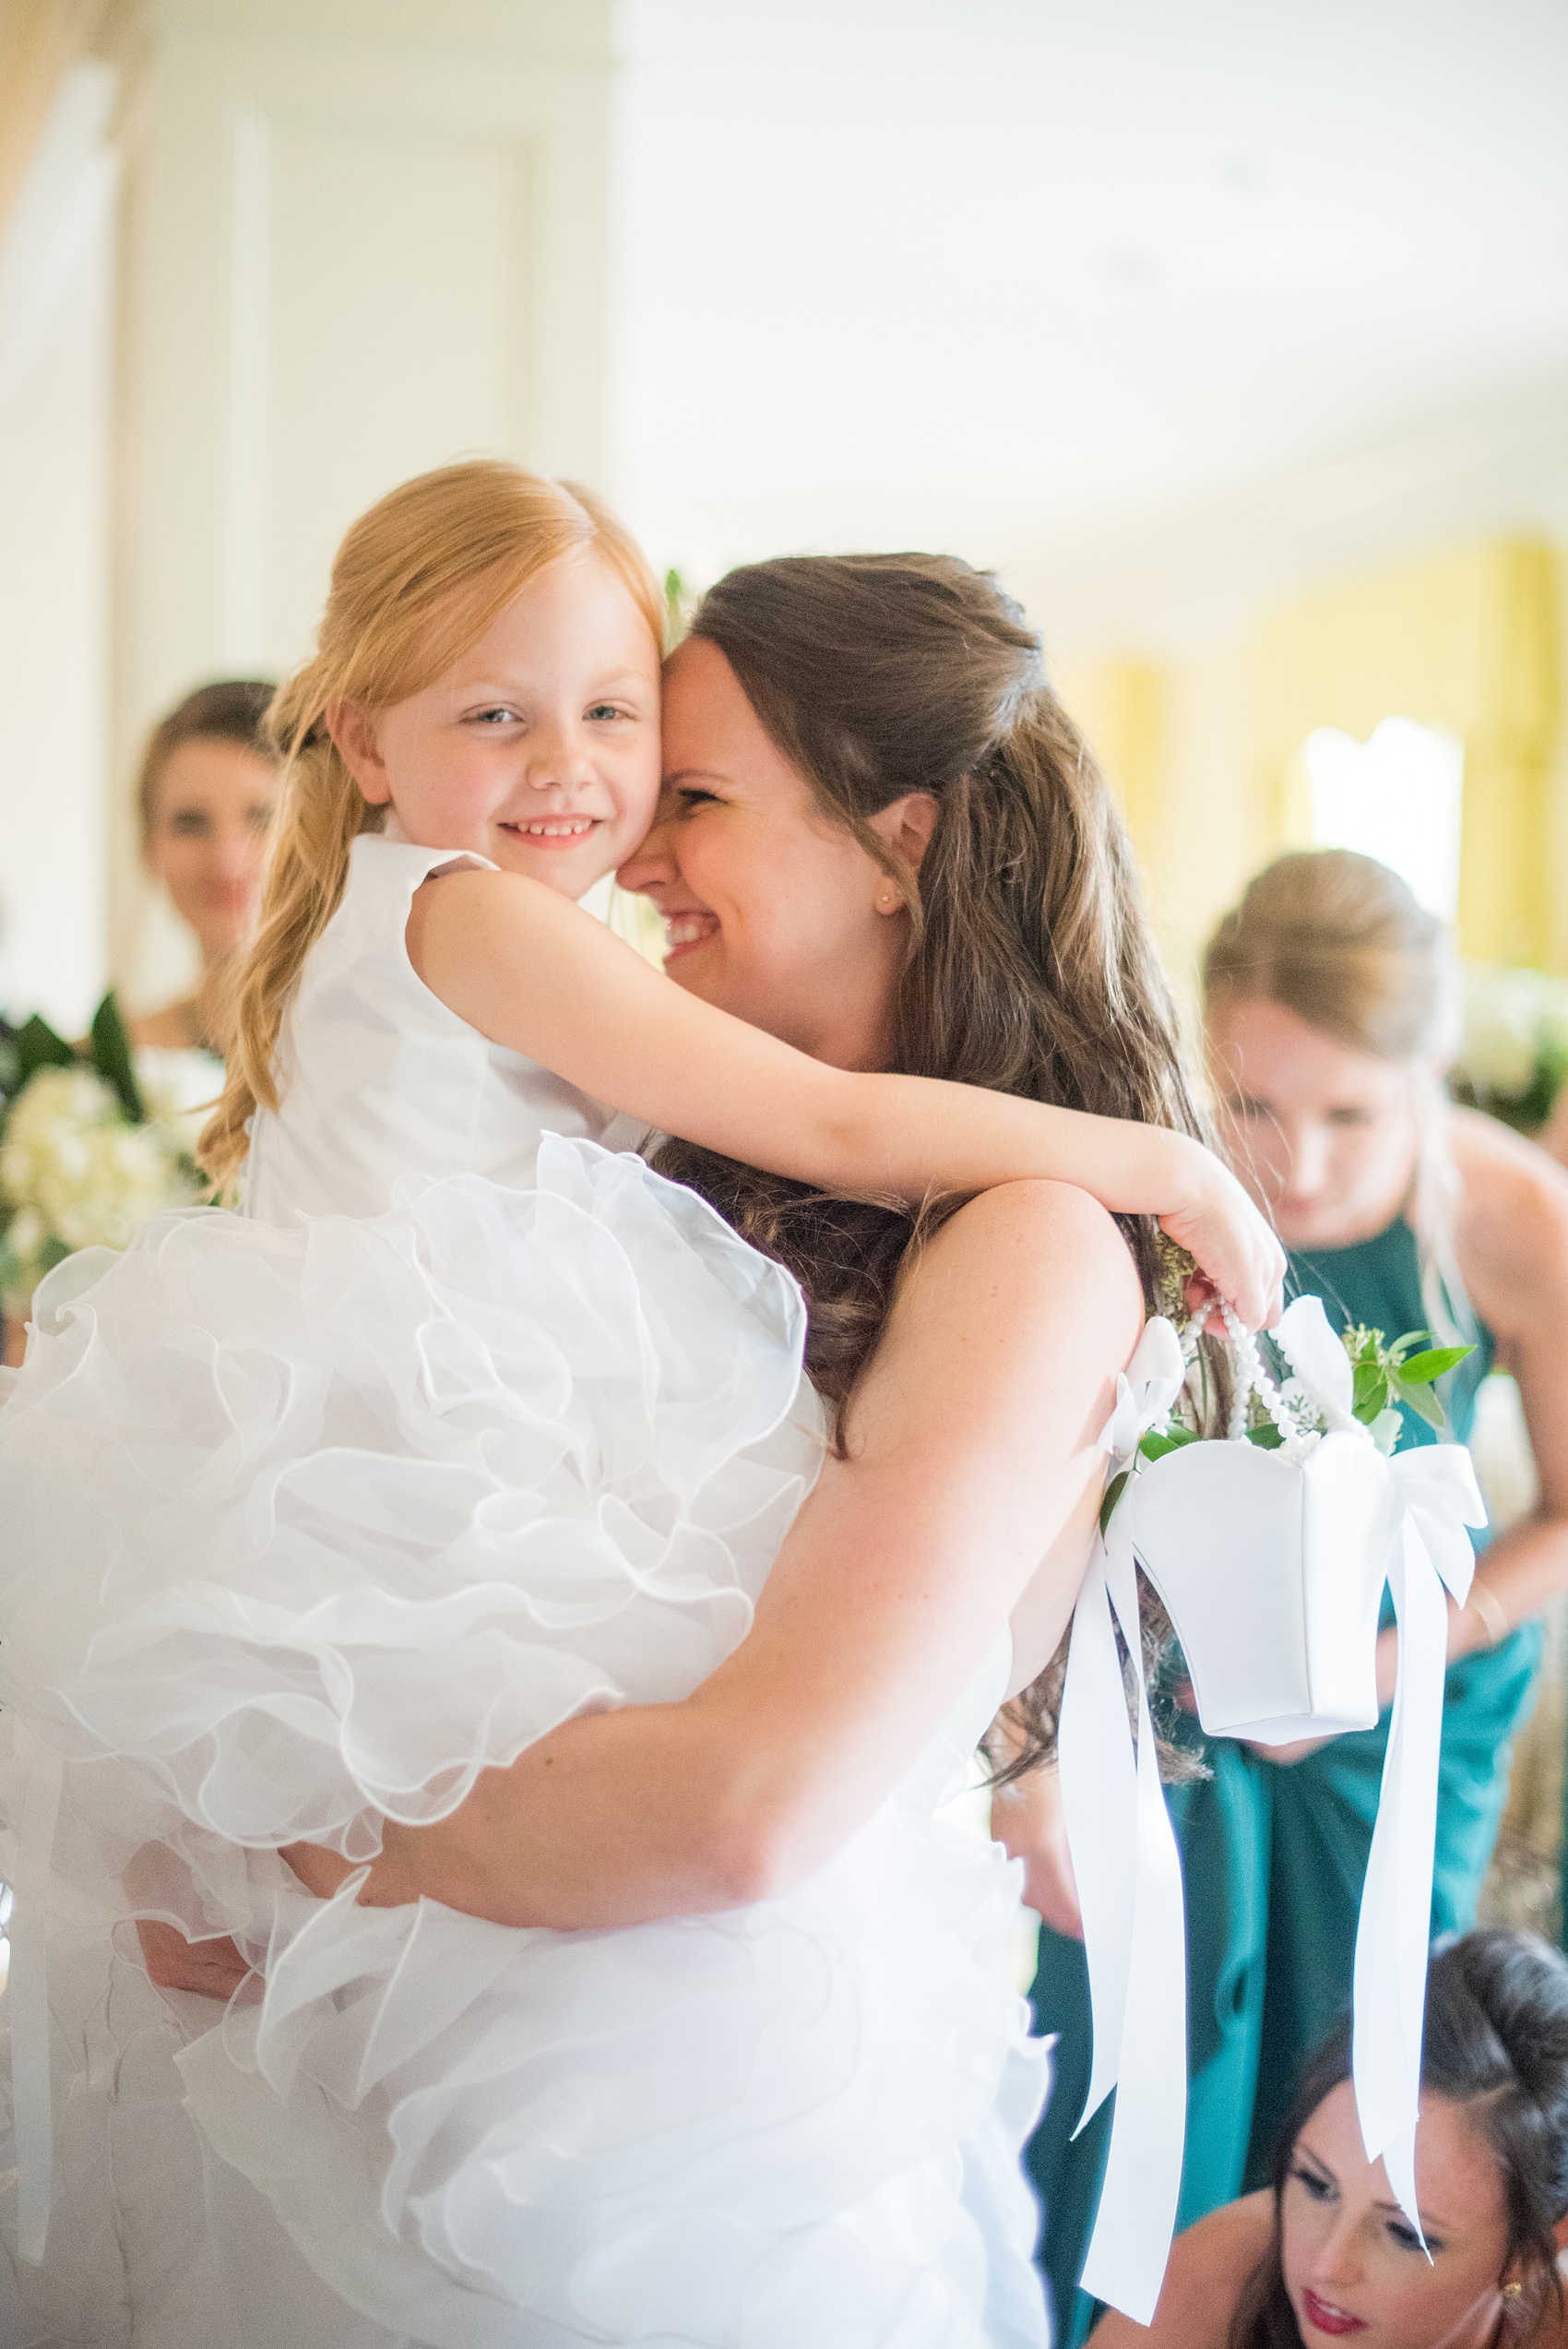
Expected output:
{"points": [[1513, 1053], [92, 1142]]}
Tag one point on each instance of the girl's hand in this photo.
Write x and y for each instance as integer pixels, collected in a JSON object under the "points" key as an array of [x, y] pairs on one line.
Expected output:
{"points": [[1238, 1257]]}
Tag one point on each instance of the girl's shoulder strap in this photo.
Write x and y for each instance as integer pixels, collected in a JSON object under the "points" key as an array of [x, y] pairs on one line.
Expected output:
{"points": [[386, 864], [384, 873]]}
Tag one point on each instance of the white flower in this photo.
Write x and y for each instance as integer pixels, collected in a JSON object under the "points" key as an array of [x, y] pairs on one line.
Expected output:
{"points": [[1501, 1031], [27, 1234], [76, 1172], [179, 1092], [1302, 1405]]}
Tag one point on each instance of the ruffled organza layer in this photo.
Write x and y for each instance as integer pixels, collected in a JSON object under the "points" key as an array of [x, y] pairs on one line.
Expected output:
{"points": [[304, 1529], [308, 1527]]}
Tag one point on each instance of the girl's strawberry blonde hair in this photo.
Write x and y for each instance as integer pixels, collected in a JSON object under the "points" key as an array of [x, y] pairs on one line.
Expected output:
{"points": [[417, 581]]}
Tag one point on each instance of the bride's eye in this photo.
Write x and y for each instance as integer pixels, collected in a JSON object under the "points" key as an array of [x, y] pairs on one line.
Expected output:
{"points": [[1320, 2188], [688, 797]]}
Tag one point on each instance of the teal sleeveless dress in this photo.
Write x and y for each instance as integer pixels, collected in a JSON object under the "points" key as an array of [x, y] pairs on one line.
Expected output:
{"points": [[1274, 1857]]}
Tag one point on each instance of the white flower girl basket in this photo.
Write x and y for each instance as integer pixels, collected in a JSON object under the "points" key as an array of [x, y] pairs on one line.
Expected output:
{"points": [[1271, 1566]]}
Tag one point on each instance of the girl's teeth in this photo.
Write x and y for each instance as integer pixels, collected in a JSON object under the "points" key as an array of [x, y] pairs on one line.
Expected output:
{"points": [[558, 831]]}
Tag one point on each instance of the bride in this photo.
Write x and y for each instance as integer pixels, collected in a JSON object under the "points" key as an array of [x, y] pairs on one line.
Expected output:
{"points": [[794, 2111]]}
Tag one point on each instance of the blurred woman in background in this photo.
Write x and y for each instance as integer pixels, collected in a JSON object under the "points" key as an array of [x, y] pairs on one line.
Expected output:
{"points": [[1327, 2253], [1329, 1005], [205, 799]]}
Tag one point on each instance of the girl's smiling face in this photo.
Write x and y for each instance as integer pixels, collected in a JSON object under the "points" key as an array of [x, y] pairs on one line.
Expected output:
{"points": [[774, 912], [539, 747], [1354, 2267]]}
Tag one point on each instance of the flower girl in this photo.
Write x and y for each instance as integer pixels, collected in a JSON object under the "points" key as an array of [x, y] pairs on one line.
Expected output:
{"points": [[464, 1426]]}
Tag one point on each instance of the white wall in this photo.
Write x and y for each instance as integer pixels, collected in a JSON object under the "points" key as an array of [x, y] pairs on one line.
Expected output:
{"points": [[362, 240], [1156, 308], [56, 296]]}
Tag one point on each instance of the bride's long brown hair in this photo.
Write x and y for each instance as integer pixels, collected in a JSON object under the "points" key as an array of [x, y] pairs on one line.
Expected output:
{"points": [[1031, 968]]}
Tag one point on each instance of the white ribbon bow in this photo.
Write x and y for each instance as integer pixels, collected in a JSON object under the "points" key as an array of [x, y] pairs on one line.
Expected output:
{"points": [[1320, 1361], [1129, 1880]]}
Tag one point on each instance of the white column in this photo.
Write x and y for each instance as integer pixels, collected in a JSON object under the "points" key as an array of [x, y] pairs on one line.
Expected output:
{"points": [[55, 377]]}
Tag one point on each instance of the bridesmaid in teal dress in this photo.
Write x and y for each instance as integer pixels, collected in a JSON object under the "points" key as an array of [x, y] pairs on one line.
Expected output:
{"points": [[1328, 998]]}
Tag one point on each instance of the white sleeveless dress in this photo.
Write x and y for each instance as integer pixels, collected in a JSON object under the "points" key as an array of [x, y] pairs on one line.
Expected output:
{"points": [[311, 1515]]}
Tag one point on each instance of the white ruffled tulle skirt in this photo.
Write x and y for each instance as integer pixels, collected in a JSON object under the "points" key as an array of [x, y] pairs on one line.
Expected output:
{"points": [[304, 1529]]}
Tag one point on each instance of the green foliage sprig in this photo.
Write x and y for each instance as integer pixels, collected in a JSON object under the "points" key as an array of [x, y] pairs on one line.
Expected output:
{"points": [[107, 1052], [1385, 1376]]}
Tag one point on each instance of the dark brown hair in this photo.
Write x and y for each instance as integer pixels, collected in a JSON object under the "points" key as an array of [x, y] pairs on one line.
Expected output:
{"points": [[1496, 2039], [230, 711], [1031, 969]]}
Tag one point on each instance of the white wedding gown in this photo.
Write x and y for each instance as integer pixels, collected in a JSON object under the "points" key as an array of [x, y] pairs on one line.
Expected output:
{"points": [[311, 1515]]}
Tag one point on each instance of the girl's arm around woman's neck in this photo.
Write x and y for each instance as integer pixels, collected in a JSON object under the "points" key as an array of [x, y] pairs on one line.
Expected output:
{"points": [[533, 973]]}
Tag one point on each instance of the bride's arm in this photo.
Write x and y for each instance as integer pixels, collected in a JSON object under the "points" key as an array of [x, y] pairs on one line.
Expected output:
{"points": [[972, 1455]]}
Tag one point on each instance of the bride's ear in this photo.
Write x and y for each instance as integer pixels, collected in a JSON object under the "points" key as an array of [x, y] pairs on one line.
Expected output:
{"points": [[352, 730], [908, 824]]}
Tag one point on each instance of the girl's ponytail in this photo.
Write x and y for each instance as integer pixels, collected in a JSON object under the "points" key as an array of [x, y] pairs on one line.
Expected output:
{"points": [[321, 813]]}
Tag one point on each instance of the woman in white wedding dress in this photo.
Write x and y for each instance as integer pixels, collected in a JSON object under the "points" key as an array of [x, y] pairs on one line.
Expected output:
{"points": [[440, 1478]]}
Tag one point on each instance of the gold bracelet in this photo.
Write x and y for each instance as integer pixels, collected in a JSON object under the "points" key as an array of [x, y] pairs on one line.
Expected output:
{"points": [[1488, 1605]]}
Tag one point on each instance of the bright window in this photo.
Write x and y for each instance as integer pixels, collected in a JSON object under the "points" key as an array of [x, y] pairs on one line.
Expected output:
{"points": [[1397, 797]]}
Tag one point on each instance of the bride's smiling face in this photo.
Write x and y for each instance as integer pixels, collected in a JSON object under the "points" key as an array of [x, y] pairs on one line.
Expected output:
{"points": [[774, 911]]}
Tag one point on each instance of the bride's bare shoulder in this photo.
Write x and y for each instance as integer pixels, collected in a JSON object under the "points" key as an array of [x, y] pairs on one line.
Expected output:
{"points": [[1209, 2268], [1036, 1237]]}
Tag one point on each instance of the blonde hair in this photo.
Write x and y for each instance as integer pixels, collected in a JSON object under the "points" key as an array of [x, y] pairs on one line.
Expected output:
{"points": [[1342, 942], [416, 582]]}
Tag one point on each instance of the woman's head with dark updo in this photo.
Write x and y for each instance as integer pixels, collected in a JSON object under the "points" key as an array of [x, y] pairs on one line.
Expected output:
{"points": [[1491, 2161]]}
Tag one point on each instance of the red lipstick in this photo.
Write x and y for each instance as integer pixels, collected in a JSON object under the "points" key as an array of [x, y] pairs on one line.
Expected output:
{"points": [[1323, 2319]]}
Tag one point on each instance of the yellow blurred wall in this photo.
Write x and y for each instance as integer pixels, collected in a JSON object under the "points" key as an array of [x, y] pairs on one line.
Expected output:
{"points": [[1204, 750]]}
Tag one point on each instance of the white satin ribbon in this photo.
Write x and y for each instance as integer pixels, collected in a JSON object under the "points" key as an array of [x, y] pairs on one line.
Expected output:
{"points": [[1124, 1853], [1438, 1500], [1432, 1548], [28, 1987], [1129, 1882]]}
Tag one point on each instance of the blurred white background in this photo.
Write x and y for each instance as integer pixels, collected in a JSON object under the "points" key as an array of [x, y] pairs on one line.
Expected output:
{"points": [[1235, 337]]}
